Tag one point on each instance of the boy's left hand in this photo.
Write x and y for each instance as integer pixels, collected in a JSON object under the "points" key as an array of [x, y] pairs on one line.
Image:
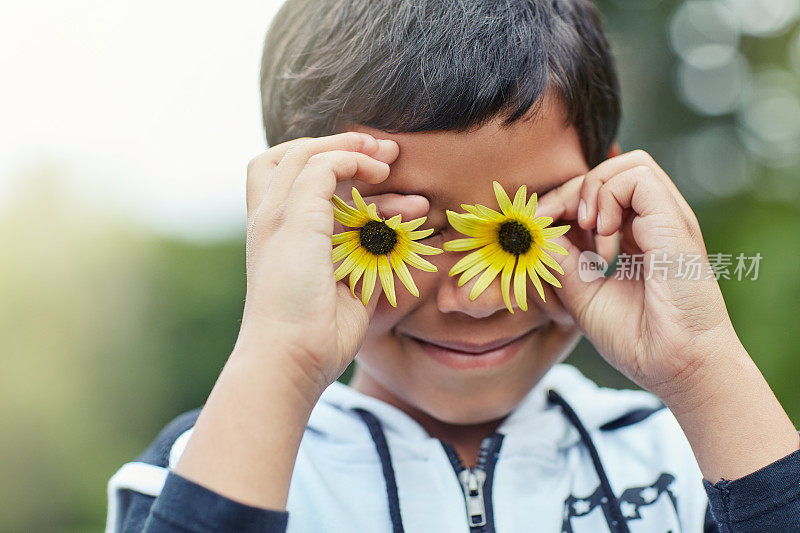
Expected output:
{"points": [[663, 332], [670, 335]]}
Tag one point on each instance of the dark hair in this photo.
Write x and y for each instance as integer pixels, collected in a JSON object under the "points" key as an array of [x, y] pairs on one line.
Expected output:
{"points": [[423, 65]]}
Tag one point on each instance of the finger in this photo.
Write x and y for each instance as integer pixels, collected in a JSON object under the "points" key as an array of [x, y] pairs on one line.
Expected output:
{"points": [[316, 182], [408, 206], [353, 298], [261, 169], [561, 202], [660, 225], [298, 157], [351, 311], [607, 246], [609, 168], [577, 291]]}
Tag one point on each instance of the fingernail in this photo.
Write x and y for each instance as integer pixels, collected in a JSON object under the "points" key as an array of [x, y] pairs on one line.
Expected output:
{"points": [[581, 210], [599, 220]]}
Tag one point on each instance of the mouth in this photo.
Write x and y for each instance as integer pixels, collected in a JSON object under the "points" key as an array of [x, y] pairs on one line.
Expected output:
{"points": [[463, 355]]}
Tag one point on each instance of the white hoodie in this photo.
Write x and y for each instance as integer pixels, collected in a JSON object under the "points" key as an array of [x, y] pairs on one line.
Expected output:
{"points": [[366, 466]]}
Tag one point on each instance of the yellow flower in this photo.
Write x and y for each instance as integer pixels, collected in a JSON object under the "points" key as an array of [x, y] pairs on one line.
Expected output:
{"points": [[509, 242], [376, 247]]}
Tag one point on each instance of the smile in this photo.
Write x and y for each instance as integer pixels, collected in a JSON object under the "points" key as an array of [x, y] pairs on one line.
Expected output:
{"points": [[462, 355]]}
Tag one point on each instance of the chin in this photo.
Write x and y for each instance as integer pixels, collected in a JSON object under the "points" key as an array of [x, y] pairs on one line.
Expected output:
{"points": [[457, 410]]}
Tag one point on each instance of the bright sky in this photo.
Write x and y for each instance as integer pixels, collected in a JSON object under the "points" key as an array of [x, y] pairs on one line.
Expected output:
{"points": [[148, 107]]}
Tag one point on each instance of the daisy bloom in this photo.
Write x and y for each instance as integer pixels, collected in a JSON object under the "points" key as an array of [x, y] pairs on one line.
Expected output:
{"points": [[509, 242], [376, 246]]}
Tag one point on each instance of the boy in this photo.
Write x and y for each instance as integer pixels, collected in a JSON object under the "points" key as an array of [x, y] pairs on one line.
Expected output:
{"points": [[459, 416]]}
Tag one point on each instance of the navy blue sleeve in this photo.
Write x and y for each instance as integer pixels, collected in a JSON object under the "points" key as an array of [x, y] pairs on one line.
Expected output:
{"points": [[182, 505], [765, 501], [187, 506]]}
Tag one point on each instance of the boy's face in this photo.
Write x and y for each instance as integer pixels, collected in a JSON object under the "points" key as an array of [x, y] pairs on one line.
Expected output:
{"points": [[395, 363]]}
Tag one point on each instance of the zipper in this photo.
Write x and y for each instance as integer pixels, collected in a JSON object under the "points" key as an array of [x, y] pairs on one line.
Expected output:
{"points": [[476, 482]]}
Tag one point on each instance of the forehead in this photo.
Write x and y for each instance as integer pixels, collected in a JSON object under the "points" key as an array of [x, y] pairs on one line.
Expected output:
{"points": [[450, 168]]}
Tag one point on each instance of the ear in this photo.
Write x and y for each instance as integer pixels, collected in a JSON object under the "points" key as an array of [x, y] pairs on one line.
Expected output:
{"points": [[614, 151]]}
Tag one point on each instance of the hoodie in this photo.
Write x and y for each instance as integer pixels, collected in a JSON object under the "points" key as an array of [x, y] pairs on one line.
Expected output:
{"points": [[571, 457]]}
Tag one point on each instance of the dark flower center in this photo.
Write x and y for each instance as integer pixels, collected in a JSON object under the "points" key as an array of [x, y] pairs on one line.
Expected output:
{"points": [[377, 237], [514, 237]]}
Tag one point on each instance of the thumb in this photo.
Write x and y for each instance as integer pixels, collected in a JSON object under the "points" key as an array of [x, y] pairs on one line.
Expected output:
{"points": [[409, 206], [353, 317], [583, 277]]}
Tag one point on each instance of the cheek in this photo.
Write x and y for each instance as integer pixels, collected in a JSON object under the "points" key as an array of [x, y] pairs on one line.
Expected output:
{"points": [[387, 317]]}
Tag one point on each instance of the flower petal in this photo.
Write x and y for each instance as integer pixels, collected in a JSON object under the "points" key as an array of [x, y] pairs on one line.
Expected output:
{"points": [[546, 274], [466, 262], [483, 212], [555, 231], [345, 236], [535, 278], [519, 199], [471, 272], [543, 221], [387, 279], [478, 256], [550, 246], [486, 279], [402, 273], [549, 261], [341, 251], [373, 212], [505, 282], [350, 263], [342, 206], [361, 205], [346, 219], [502, 199], [416, 261], [368, 284], [462, 245], [394, 222], [412, 224], [467, 224], [420, 234], [530, 209], [355, 275], [520, 285], [424, 248]]}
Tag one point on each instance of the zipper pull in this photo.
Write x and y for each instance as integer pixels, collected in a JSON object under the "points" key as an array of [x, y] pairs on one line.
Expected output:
{"points": [[472, 482]]}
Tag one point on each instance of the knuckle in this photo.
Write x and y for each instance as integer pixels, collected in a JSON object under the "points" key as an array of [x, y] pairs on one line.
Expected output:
{"points": [[606, 196], [251, 166], [641, 154], [257, 162], [592, 181], [282, 147], [302, 149], [322, 159], [358, 141], [692, 229], [268, 220], [645, 171]]}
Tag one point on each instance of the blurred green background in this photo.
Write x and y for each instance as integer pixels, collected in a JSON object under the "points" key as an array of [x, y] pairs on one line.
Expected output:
{"points": [[109, 329]]}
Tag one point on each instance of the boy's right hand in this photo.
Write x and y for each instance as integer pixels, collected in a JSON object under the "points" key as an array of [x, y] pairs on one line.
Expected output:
{"points": [[294, 308]]}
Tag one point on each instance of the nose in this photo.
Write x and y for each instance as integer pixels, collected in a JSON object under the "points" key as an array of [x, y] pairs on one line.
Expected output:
{"points": [[451, 298]]}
